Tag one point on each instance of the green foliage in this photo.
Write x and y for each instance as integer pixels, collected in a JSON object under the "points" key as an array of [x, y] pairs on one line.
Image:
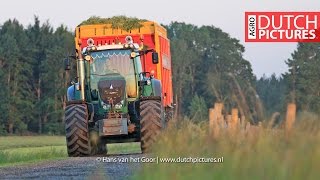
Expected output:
{"points": [[303, 77], [198, 110], [2, 130], [121, 22], [208, 62], [54, 128], [272, 91], [16, 68], [32, 78]]}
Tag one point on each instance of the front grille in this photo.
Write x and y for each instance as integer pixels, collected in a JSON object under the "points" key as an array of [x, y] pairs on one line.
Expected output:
{"points": [[112, 91]]}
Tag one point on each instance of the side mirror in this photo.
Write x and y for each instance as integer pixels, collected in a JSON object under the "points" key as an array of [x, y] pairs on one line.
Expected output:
{"points": [[155, 58], [67, 65]]}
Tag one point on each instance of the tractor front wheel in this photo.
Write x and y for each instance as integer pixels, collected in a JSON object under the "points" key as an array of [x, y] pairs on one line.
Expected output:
{"points": [[77, 132], [151, 123]]}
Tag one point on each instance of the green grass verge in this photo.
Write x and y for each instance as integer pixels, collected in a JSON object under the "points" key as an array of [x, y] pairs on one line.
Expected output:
{"points": [[25, 155], [254, 154], [124, 148], [16, 150], [9, 142]]}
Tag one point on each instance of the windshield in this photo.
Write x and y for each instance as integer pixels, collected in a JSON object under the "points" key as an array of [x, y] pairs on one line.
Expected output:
{"points": [[113, 62]]}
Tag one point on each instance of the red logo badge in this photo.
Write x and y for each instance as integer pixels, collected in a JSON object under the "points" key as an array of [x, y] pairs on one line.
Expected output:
{"points": [[282, 27]]}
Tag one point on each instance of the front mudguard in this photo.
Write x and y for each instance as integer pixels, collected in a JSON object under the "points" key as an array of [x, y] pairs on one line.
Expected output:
{"points": [[72, 93], [154, 89]]}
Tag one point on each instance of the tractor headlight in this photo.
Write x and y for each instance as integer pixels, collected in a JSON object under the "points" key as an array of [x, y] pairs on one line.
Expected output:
{"points": [[118, 106], [93, 48], [87, 58], [105, 106], [133, 54]]}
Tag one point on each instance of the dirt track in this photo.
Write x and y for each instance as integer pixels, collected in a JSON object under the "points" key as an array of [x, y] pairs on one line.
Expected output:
{"points": [[75, 168]]}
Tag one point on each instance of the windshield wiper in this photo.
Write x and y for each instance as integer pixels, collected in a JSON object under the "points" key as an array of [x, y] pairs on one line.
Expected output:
{"points": [[103, 74]]}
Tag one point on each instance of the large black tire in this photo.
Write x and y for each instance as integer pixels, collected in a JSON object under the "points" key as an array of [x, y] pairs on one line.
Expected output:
{"points": [[77, 131], [151, 122]]}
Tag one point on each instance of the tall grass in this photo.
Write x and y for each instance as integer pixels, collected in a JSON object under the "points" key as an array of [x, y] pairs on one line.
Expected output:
{"points": [[255, 153]]}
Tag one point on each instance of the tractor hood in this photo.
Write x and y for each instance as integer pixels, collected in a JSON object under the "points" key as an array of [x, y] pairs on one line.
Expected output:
{"points": [[112, 89]]}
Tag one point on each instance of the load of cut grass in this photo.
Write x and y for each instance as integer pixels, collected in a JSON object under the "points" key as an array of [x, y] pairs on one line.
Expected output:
{"points": [[121, 22], [256, 153]]}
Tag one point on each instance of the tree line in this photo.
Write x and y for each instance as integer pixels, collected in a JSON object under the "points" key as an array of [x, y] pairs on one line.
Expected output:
{"points": [[32, 78], [208, 66]]}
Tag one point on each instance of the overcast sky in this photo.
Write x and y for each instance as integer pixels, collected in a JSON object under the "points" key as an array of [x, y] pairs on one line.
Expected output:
{"points": [[266, 58]]}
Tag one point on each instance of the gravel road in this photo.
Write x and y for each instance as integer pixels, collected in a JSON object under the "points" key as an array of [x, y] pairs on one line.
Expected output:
{"points": [[113, 167]]}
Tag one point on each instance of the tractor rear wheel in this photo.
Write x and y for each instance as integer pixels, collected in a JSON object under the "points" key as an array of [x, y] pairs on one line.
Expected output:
{"points": [[77, 131], [151, 123]]}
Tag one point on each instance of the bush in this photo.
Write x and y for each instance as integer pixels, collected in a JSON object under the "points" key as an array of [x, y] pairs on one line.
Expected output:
{"points": [[21, 127], [2, 130], [198, 110], [54, 128]]}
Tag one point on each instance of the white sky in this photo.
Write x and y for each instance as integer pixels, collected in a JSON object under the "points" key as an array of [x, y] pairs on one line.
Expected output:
{"points": [[266, 58]]}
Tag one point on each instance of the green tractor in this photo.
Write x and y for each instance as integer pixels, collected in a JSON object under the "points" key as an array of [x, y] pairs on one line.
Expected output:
{"points": [[113, 100]]}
